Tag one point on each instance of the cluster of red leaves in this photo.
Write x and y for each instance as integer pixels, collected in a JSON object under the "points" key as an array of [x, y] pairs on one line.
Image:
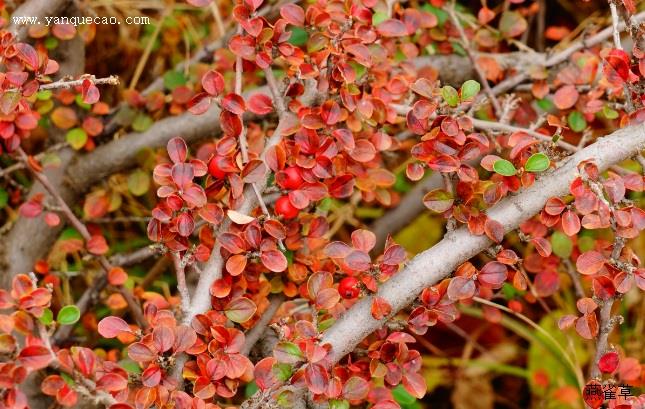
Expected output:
{"points": [[25, 303], [23, 61]]}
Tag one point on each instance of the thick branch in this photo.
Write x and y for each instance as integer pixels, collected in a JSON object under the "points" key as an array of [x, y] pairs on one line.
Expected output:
{"points": [[36, 8], [438, 262]]}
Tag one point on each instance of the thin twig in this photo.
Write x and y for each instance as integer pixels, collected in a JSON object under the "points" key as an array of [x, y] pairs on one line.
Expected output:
{"points": [[253, 335], [471, 57], [21, 165], [82, 229], [66, 83]]}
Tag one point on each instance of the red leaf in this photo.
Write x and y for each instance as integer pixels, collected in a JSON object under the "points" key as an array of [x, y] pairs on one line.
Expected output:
{"points": [[363, 240], [213, 82], [203, 388], [274, 260], [185, 337], [35, 357], [593, 394], [380, 308], [240, 310], [494, 230], [90, 92], [112, 382], [493, 274], [97, 245], [234, 103], [260, 104], [570, 223], [355, 388], [394, 255], [317, 378], [361, 53], [294, 14], [392, 28], [327, 298], [590, 263], [554, 206], [617, 67], [415, 384], [543, 246], [141, 353], [112, 327], [608, 363], [587, 326], [151, 376], [163, 338], [566, 97], [264, 375], [28, 55], [199, 103], [460, 288], [177, 150]]}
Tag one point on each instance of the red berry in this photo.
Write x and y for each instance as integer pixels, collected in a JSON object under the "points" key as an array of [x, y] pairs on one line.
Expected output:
{"points": [[214, 169], [284, 208], [608, 363], [515, 305], [290, 178], [348, 288]]}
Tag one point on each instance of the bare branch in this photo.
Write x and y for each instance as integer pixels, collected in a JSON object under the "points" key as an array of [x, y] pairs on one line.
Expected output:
{"points": [[254, 334], [82, 229], [482, 77], [67, 83], [432, 265]]}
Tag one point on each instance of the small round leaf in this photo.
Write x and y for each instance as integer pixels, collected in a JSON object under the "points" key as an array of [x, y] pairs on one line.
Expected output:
{"points": [[538, 162], [68, 315], [504, 168]]}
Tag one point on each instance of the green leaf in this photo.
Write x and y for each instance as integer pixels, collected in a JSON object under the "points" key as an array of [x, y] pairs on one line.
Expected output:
{"points": [[138, 182], [504, 168], [338, 404], [44, 95], [401, 183], [51, 43], [77, 138], [250, 389], [450, 95], [442, 16], [47, 317], [298, 36], [609, 113], [4, 198], [130, 366], [538, 162], [79, 101], [378, 18], [141, 122], [282, 371], [287, 352], [68, 379], [576, 121], [401, 396], [68, 315], [586, 243], [173, 79], [561, 244], [545, 105], [469, 90]]}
